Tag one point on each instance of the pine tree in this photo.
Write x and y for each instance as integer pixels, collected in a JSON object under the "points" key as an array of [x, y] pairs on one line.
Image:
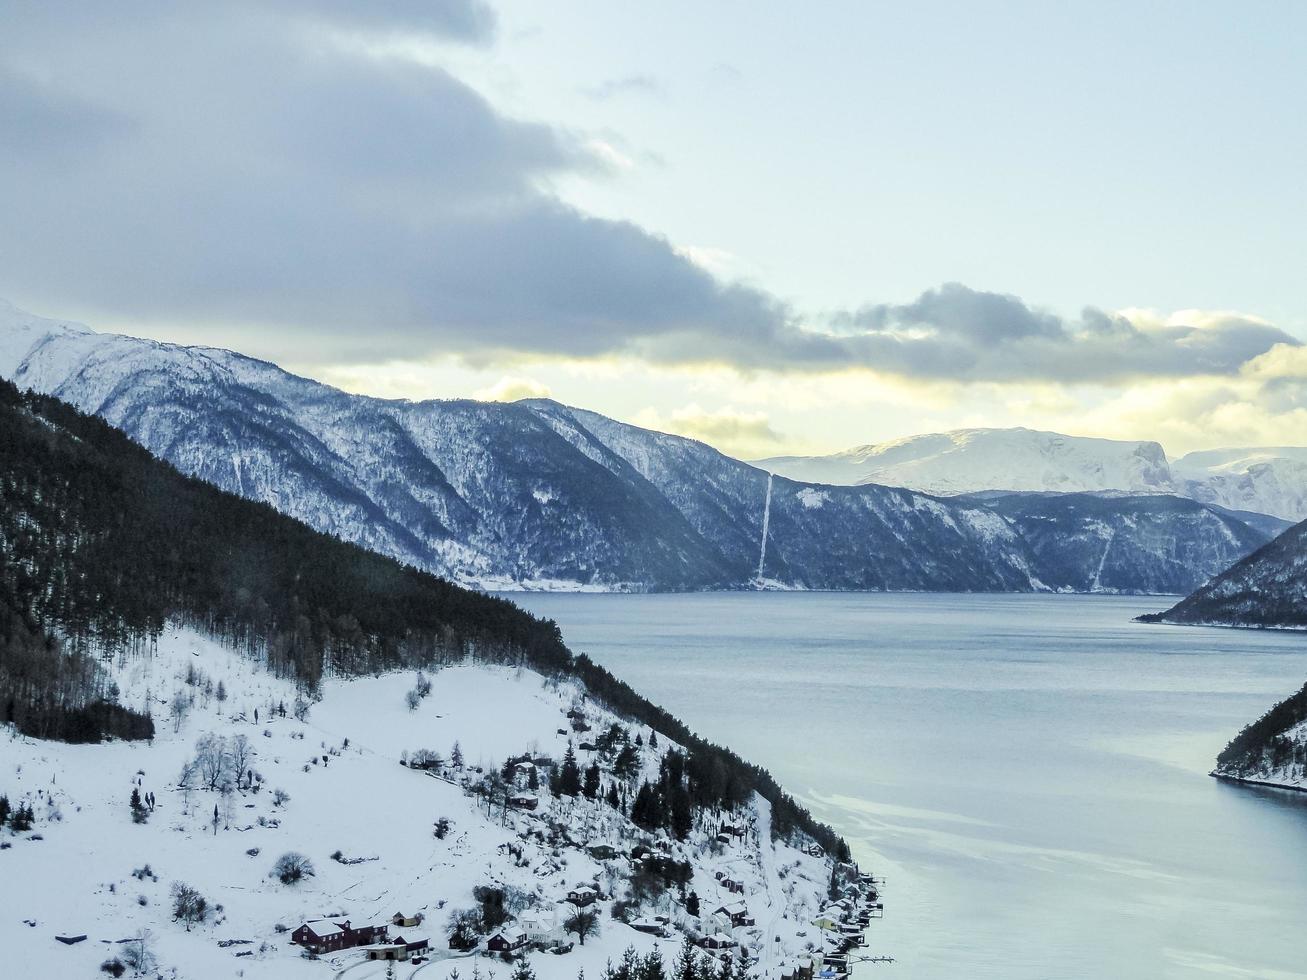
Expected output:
{"points": [[651, 967], [592, 782], [456, 757], [139, 813], [569, 778], [727, 971], [687, 962], [692, 904], [682, 816], [4, 810], [522, 970]]}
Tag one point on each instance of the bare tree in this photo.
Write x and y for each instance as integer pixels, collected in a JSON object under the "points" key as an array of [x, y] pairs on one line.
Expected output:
{"points": [[291, 868], [585, 922], [138, 952], [211, 759], [241, 752]]}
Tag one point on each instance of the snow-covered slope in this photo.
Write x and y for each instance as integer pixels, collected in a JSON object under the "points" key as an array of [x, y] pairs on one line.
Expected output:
{"points": [[1264, 481], [72, 873], [968, 460], [1083, 542], [1269, 480]]}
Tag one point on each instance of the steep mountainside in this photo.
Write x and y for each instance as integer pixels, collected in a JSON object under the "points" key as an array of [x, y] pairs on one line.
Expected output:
{"points": [[1094, 543], [1268, 588], [538, 495], [500, 495], [1266, 481]]}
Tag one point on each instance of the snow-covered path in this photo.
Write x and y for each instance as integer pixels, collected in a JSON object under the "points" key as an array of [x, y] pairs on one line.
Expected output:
{"points": [[771, 878]]}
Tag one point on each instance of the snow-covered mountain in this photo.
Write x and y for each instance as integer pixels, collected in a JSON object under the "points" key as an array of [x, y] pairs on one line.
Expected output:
{"points": [[1153, 543], [536, 494], [970, 460], [1267, 481]]}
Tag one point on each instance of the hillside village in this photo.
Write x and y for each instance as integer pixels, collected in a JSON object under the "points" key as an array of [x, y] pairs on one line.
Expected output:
{"points": [[478, 820]]}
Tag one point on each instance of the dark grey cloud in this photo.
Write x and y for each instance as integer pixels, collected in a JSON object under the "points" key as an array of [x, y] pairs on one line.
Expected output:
{"points": [[958, 332], [236, 168]]}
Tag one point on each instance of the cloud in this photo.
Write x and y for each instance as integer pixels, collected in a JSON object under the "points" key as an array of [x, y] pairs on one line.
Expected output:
{"points": [[288, 175], [349, 205], [965, 334], [744, 434], [510, 389], [625, 85]]}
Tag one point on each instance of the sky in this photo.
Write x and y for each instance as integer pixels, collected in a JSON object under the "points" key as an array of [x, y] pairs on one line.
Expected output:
{"points": [[774, 228]]}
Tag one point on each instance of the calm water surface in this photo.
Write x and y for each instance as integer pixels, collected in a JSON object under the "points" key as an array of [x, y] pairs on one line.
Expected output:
{"points": [[1029, 772]]}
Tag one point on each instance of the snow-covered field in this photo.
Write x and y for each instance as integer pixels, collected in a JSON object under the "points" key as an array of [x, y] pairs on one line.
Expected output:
{"points": [[80, 869]]}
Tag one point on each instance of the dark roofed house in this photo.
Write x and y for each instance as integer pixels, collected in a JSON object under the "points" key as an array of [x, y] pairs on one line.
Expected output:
{"points": [[320, 936], [524, 801], [506, 942], [582, 896], [736, 914], [717, 941]]}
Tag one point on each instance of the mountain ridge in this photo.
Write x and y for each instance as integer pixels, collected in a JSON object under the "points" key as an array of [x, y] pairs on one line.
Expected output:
{"points": [[536, 494]]}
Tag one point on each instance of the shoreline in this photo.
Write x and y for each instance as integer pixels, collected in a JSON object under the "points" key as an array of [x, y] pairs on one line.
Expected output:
{"points": [[1256, 782]]}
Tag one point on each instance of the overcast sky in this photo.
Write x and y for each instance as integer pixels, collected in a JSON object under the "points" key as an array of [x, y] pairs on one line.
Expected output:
{"points": [[779, 229]]}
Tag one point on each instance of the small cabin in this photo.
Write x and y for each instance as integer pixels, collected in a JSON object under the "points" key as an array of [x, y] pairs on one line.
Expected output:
{"points": [[524, 801], [603, 852], [736, 914], [651, 927], [717, 941], [400, 920], [582, 896]]}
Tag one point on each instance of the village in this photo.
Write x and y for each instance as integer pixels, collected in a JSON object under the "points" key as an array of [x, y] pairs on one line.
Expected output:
{"points": [[555, 837]]}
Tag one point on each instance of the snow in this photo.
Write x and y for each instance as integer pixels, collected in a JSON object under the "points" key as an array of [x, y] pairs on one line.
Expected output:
{"points": [[1262, 480], [347, 792], [970, 460], [812, 498]]}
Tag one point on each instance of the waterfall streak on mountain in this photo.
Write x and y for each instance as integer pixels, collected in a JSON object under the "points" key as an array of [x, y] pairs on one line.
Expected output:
{"points": [[766, 519]]}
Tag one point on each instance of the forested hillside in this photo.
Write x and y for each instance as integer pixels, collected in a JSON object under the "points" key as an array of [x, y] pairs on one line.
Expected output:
{"points": [[1266, 589], [103, 545], [1272, 749]]}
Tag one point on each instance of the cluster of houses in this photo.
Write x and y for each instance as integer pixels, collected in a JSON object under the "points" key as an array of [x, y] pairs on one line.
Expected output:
{"points": [[844, 923], [320, 936]]}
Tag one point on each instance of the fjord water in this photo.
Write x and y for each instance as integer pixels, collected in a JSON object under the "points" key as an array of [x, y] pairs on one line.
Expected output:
{"points": [[1029, 772]]}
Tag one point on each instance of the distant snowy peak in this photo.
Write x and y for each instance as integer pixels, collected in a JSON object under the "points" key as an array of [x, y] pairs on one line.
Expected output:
{"points": [[1268, 480], [971, 460]]}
